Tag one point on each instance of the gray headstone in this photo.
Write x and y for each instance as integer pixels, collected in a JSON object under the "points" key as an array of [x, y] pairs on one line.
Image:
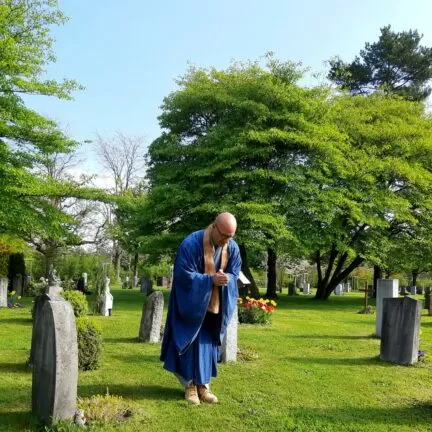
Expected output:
{"points": [[146, 285], [84, 276], [229, 343], [3, 292], [403, 291], [55, 361], [400, 330], [136, 280], [386, 288], [413, 290], [151, 319], [17, 284], [339, 290]]}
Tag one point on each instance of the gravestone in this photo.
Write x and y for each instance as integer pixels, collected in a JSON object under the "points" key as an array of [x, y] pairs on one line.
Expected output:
{"points": [[339, 290], [151, 319], [146, 285], [106, 299], [346, 287], [306, 288], [84, 276], [3, 292], [427, 293], [55, 361], [17, 284], [386, 288], [413, 290], [400, 330], [292, 289], [229, 343], [403, 291], [136, 281], [420, 290], [159, 281]]}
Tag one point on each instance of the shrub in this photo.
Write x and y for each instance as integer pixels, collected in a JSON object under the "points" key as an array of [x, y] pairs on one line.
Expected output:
{"points": [[252, 311], [78, 301], [89, 337], [104, 408]]}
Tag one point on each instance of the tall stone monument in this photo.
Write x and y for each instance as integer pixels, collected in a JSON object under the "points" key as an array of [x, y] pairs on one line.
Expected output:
{"points": [[55, 361], [3, 292], [400, 330], [386, 288], [151, 319], [229, 343]]}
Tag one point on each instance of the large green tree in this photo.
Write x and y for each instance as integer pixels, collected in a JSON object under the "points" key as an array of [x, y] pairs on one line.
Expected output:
{"points": [[396, 63], [229, 138], [25, 136]]}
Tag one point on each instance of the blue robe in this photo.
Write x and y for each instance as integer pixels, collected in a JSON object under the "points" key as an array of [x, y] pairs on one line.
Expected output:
{"points": [[190, 346]]}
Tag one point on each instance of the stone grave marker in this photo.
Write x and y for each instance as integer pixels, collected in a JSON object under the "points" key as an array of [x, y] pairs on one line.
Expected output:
{"points": [[107, 299], [413, 290], [3, 292], [400, 330], [306, 288], [386, 288], [229, 343], [151, 319], [339, 290], [55, 361], [146, 285]]}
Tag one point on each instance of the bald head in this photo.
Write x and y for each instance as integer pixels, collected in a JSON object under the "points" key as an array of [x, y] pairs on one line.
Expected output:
{"points": [[224, 228]]}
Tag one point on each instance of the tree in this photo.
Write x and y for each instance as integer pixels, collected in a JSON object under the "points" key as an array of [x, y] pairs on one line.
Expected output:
{"points": [[370, 183], [229, 139], [123, 157], [25, 136], [396, 64]]}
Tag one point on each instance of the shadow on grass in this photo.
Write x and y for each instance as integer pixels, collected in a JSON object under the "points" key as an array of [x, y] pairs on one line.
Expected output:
{"points": [[416, 416], [16, 321], [348, 337], [17, 421], [144, 391], [133, 340], [358, 361], [14, 368]]}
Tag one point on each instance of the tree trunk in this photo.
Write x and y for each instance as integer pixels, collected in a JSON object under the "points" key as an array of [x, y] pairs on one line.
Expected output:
{"points": [[377, 275], [135, 265], [246, 270], [271, 273], [415, 274], [327, 285]]}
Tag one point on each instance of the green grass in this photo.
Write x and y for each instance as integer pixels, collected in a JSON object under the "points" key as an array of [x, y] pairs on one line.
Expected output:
{"points": [[317, 370]]}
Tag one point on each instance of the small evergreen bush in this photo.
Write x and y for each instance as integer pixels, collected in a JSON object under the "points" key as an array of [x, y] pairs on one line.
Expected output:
{"points": [[78, 301], [89, 337]]}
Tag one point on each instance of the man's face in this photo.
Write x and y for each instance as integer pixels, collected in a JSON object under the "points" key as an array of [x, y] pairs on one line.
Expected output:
{"points": [[222, 234]]}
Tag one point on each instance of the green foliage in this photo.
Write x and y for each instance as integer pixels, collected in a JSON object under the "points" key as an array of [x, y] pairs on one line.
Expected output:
{"points": [[78, 301], [102, 409], [397, 64], [89, 336]]}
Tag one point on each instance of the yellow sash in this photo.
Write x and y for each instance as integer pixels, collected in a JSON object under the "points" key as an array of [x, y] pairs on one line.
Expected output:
{"points": [[209, 268]]}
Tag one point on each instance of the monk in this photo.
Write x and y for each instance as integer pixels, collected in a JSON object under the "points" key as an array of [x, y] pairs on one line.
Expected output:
{"points": [[202, 301]]}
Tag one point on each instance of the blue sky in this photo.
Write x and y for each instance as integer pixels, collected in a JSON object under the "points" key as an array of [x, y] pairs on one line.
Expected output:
{"points": [[128, 53]]}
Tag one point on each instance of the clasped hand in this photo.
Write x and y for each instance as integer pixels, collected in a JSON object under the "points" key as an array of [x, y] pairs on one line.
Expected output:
{"points": [[220, 278]]}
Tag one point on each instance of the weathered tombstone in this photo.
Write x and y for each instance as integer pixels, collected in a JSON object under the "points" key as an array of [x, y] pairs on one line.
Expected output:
{"points": [[106, 300], [84, 276], [146, 285], [339, 290], [413, 290], [400, 330], [55, 361], [229, 343], [136, 280], [427, 293], [17, 284], [403, 291], [151, 319], [420, 290], [292, 289], [306, 288], [3, 292], [159, 281], [386, 288], [346, 287]]}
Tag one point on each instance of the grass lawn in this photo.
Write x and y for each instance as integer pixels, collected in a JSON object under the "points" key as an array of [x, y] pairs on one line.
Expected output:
{"points": [[317, 370]]}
